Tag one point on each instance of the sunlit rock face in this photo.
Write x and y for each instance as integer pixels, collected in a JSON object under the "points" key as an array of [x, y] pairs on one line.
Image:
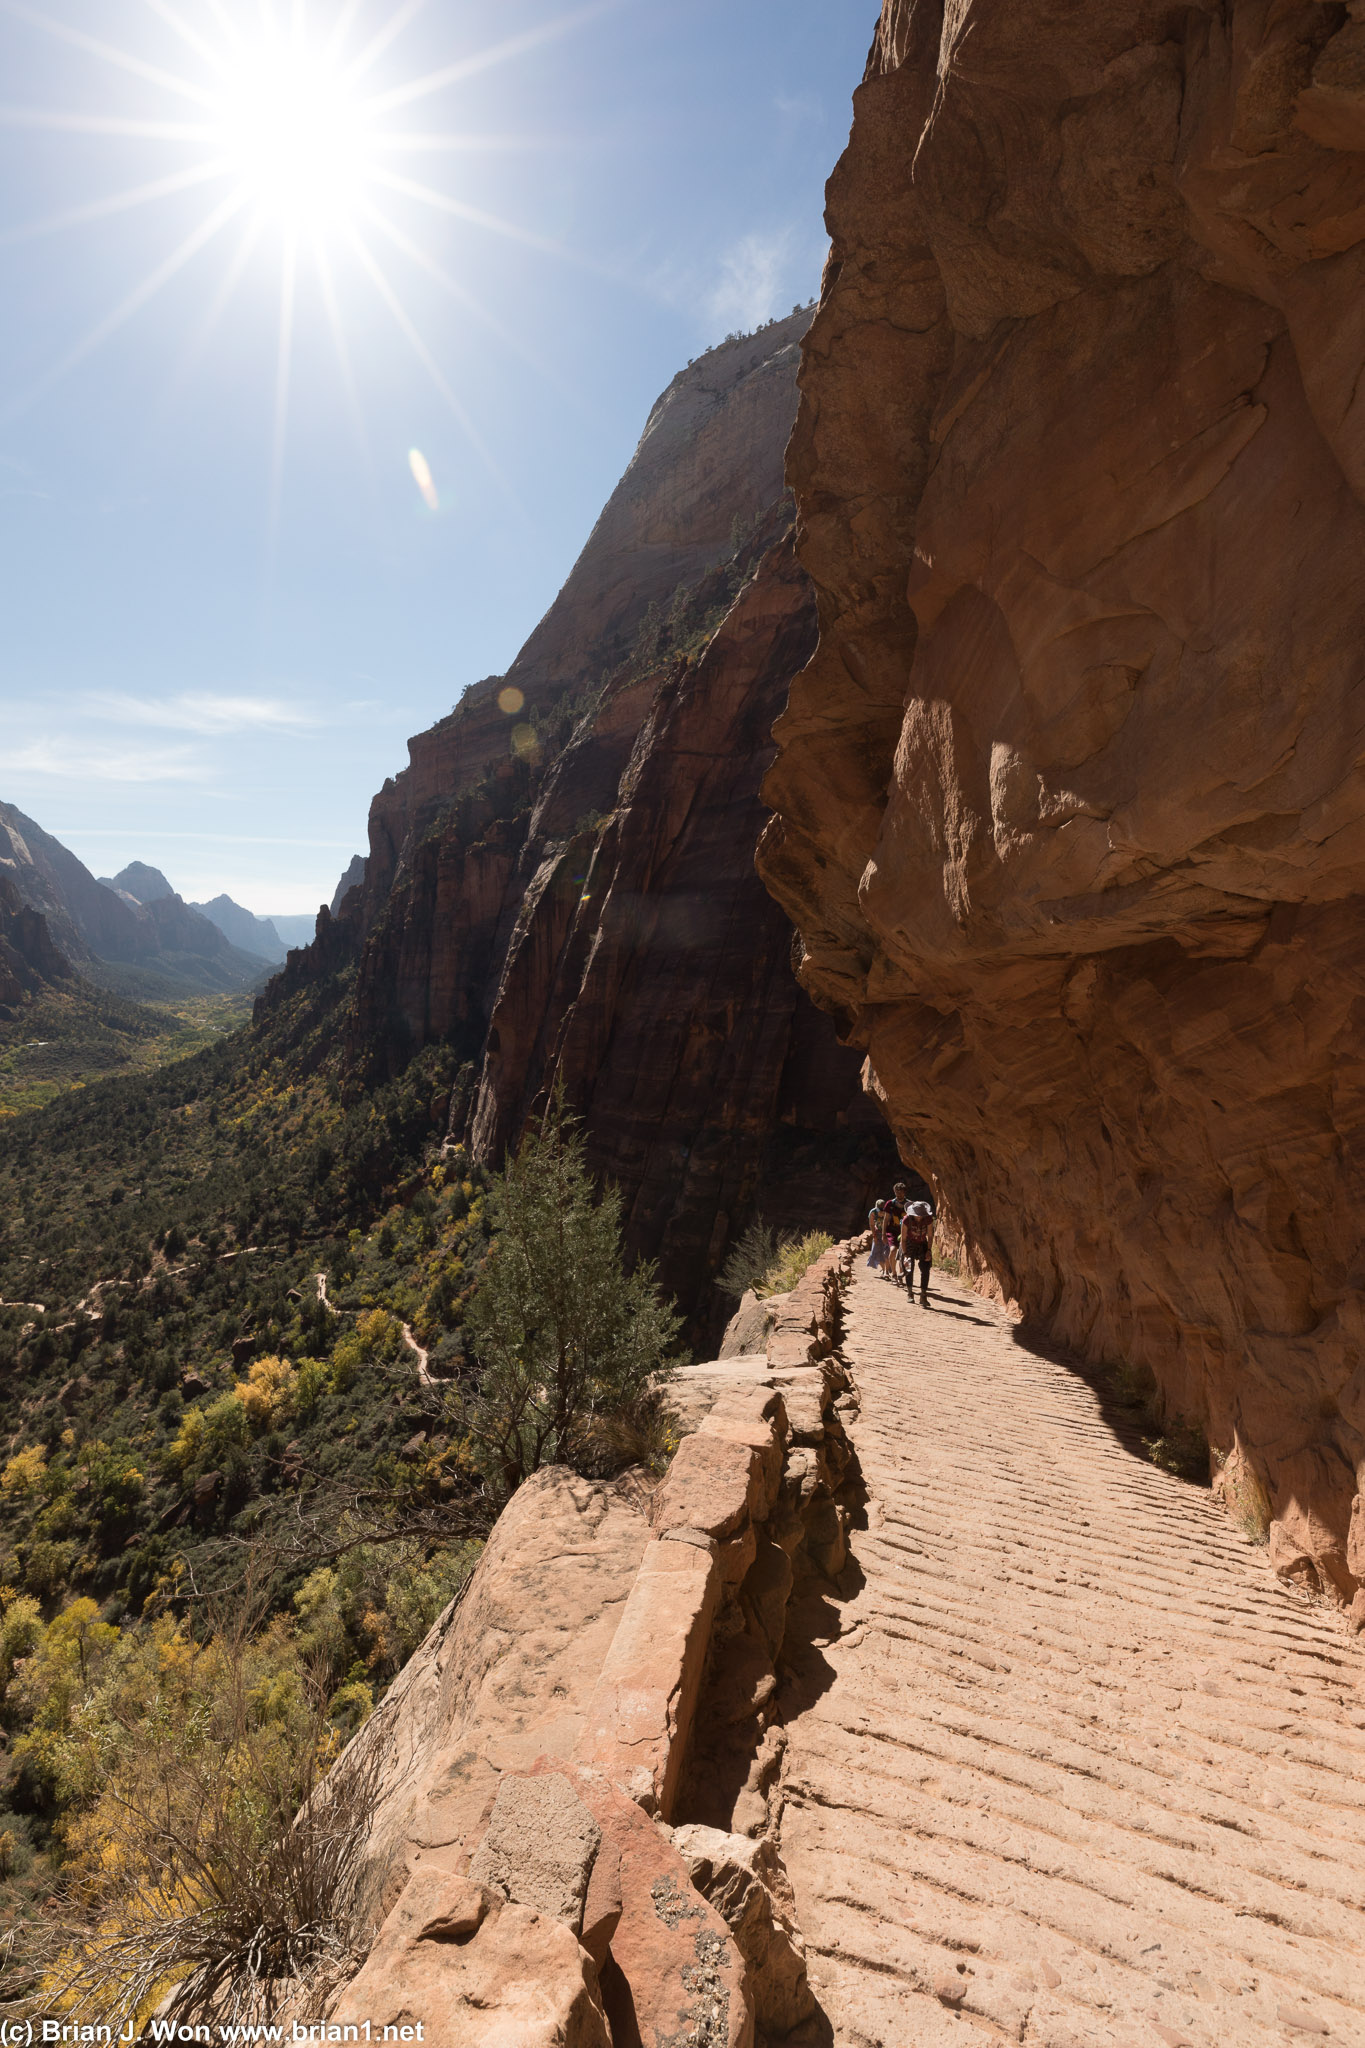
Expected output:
{"points": [[1071, 816]]}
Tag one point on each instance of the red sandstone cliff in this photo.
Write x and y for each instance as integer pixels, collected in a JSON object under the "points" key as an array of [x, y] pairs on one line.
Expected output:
{"points": [[566, 889], [709, 461], [1071, 817]]}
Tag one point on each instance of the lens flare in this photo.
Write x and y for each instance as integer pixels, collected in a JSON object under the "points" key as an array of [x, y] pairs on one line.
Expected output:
{"points": [[510, 700], [423, 478]]}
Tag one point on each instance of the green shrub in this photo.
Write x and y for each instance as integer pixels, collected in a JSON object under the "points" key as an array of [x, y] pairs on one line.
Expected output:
{"points": [[562, 1334], [1181, 1448], [795, 1257]]}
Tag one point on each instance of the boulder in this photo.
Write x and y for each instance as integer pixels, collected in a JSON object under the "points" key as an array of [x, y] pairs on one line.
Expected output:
{"points": [[747, 1329], [745, 1882], [539, 1847], [639, 1718], [714, 1484], [474, 1972], [675, 1974]]}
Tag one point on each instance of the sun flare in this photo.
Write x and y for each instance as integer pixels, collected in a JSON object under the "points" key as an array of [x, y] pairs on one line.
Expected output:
{"points": [[295, 121], [297, 135]]}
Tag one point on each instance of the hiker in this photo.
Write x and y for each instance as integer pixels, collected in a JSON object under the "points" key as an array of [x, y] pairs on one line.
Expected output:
{"points": [[894, 1216], [917, 1246], [880, 1252]]}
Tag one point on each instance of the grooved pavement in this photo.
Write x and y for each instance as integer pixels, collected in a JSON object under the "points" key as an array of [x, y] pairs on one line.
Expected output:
{"points": [[1071, 1768]]}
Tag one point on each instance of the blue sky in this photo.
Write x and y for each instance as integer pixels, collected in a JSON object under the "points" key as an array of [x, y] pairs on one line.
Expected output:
{"points": [[226, 601]]}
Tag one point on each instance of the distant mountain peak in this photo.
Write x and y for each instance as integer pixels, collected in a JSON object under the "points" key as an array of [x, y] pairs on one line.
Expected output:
{"points": [[246, 931], [143, 884], [132, 932]]}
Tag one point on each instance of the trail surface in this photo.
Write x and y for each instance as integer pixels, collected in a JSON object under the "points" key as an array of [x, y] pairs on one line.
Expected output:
{"points": [[1070, 1767]]}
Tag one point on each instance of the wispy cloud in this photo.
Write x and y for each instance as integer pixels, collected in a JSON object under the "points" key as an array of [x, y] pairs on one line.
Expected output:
{"points": [[751, 286], [207, 712], [116, 763], [800, 106]]}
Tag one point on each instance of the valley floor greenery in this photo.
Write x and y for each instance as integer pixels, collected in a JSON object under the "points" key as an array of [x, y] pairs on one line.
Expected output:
{"points": [[217, 1280], [69, 1035]]}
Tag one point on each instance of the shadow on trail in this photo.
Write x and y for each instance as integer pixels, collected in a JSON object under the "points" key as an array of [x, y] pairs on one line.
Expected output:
{"points": [[940, 1304], [1131, 1422]]}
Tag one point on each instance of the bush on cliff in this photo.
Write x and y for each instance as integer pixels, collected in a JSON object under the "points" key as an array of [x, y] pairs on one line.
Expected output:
{"points": [[795, 1258], [572, 1350], [761, 1263]]}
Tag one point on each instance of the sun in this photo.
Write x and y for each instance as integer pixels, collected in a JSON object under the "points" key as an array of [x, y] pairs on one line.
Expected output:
{"points": [[298, 137], [288, 121]]}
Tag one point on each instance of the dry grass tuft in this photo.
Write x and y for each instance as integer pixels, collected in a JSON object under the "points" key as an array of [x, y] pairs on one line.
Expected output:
{"points": [[214, 1878]]}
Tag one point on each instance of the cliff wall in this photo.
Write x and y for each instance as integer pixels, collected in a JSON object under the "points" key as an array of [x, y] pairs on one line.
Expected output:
{"points": [[29, 959], [562, 884], [1071, 816], [708, 461]]}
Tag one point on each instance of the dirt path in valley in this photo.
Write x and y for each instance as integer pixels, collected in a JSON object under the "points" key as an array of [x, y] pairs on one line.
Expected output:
{"points": [[1070, 1768], [421, 1356]]}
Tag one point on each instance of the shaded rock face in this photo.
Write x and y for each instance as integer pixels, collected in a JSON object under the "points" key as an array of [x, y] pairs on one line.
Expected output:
{"points": [[566, 890], [83, 915], [29, 958], [1071, 821]]}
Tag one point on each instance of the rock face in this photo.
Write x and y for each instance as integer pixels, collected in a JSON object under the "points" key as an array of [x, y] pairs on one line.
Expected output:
{"points": [[562, 883], [709, 462], [29, 959], [1071, 817]]}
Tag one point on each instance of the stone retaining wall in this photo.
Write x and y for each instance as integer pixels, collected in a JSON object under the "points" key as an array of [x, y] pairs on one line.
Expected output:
{"points": [[591, 1906]]}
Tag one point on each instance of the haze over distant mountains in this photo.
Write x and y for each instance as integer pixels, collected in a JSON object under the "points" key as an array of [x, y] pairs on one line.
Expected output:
{"points": [[258, 936], [131, 933]]}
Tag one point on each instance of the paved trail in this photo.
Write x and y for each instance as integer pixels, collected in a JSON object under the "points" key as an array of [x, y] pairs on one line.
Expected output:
{"points": [[1077, 1770]]}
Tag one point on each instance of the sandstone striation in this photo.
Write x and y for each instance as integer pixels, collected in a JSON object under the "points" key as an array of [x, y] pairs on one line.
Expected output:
{"points": [[1070, 811]]}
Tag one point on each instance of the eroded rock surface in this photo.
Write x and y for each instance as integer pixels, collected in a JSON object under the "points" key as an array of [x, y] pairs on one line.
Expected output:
{"points": [[1071, 816], [505, 1677], [1066, 1765]]}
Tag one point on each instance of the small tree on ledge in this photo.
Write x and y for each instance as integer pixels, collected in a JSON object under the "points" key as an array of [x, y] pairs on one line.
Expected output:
{"points": [[566, 1340]]}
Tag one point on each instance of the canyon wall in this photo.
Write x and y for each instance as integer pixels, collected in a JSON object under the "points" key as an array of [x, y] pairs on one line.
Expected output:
{"points": [[1071, 815], [709, 462], [561, 885], [29, 959]]}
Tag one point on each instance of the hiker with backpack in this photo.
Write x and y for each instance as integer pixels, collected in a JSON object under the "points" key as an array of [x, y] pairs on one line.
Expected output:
{"points": [[917, 1246]]}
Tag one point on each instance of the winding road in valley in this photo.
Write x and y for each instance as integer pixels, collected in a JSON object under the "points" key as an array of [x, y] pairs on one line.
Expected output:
{"points": [[1070, 1767]]}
